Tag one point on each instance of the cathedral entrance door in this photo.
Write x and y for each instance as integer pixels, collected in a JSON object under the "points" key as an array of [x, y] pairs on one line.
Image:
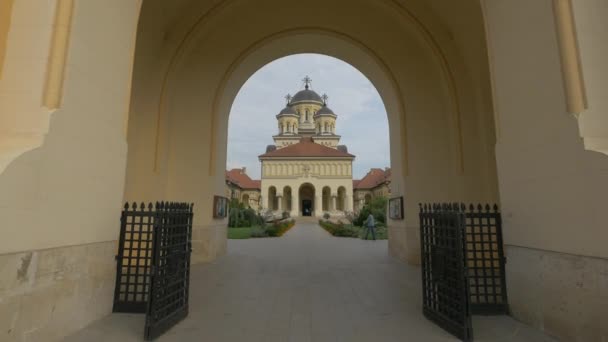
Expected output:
{"points": [[306, 208]]}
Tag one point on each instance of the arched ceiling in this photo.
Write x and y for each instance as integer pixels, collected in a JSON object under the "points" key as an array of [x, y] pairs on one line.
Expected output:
{"points": [[459, 23]]}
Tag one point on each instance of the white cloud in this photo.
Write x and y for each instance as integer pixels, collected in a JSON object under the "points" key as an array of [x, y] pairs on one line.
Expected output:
{"points": [[362, 120]]}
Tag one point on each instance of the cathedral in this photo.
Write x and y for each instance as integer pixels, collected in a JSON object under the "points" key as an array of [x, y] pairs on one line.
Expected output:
{"points": [[307, 172]]}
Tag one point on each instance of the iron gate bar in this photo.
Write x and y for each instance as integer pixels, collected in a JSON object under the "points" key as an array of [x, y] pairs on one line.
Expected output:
{"points": [[133, 259], [486, 260], [170, 277], [482, 259], [445, 286]]}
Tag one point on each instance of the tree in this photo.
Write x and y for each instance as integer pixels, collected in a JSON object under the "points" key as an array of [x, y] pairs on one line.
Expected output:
{"points": [[377, 207]]}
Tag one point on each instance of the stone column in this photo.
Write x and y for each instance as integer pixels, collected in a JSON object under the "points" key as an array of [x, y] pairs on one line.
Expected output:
{"points": [[280, 203], [295, 204], [318, 208], [334, 202]]}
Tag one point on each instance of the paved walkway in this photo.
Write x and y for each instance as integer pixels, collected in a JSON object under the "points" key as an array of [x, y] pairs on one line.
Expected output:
{"points": [[305, 286]]}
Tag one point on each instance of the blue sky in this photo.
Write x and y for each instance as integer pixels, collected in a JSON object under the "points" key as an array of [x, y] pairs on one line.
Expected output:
{"points": [[362, 120]]}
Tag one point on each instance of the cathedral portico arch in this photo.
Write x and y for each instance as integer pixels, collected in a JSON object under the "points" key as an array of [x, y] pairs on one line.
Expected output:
{"points": [[307, 200]]}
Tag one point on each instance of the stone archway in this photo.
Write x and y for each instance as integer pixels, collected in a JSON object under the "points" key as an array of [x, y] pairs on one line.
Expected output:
{"points": [[413, 52], [273, 199], [306, 195]]}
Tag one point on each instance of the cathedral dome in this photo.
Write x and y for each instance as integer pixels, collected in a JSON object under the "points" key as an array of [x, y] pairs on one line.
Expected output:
{"points": [[325, 110], [288, 110], [306, 95]]}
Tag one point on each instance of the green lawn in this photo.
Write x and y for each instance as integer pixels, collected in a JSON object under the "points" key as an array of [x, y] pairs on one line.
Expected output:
{"points": [[239, 233]]}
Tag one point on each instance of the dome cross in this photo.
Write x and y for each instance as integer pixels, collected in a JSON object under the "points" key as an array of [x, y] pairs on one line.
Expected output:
{"points": [[325, 97], [307, 81], [288, 97]]}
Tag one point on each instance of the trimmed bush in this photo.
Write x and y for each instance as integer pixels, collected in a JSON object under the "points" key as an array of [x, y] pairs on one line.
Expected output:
{"points": [[278, 228], [347, 230], [258, 232], [243, 217], [339, 229], [326, 216]]}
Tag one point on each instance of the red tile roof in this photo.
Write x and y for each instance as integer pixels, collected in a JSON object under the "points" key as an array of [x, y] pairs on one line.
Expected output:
{"points": [[307, 148], [242, 180], [373, 178]]}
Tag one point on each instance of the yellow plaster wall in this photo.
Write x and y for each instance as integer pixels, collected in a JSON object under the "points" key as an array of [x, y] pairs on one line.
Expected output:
{"points": [[282, 168], [552, 190], [69, 190], [6, 11], [591, 31]]}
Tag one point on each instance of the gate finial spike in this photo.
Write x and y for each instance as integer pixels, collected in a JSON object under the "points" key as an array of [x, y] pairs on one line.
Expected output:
{"points": [[142, 206], [479, 207], [134, 206], [495, 207], [126, 206], [150, 206], [487, 208], [471, 207]]}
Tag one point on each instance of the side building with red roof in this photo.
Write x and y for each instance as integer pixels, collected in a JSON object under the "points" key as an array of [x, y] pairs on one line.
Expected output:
{"points": [[241, 187], [376, 183]]}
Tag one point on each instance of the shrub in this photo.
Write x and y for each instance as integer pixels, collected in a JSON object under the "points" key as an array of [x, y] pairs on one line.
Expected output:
{"points": [[377, 207], [286, 215], [258, 232], [339, 229], [243, 217], [233, 217], [326, 216], [272, 230], [350, 217], [278, 228]]}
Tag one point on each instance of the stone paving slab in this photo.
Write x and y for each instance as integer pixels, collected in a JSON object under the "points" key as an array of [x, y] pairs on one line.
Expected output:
{"points": [[305, 286]]}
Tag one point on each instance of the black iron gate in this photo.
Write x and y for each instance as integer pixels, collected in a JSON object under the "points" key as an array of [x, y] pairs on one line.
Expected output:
{"points": [[463, 265], [444, 284], [485, 260], [168, 302], [153, 264]]}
